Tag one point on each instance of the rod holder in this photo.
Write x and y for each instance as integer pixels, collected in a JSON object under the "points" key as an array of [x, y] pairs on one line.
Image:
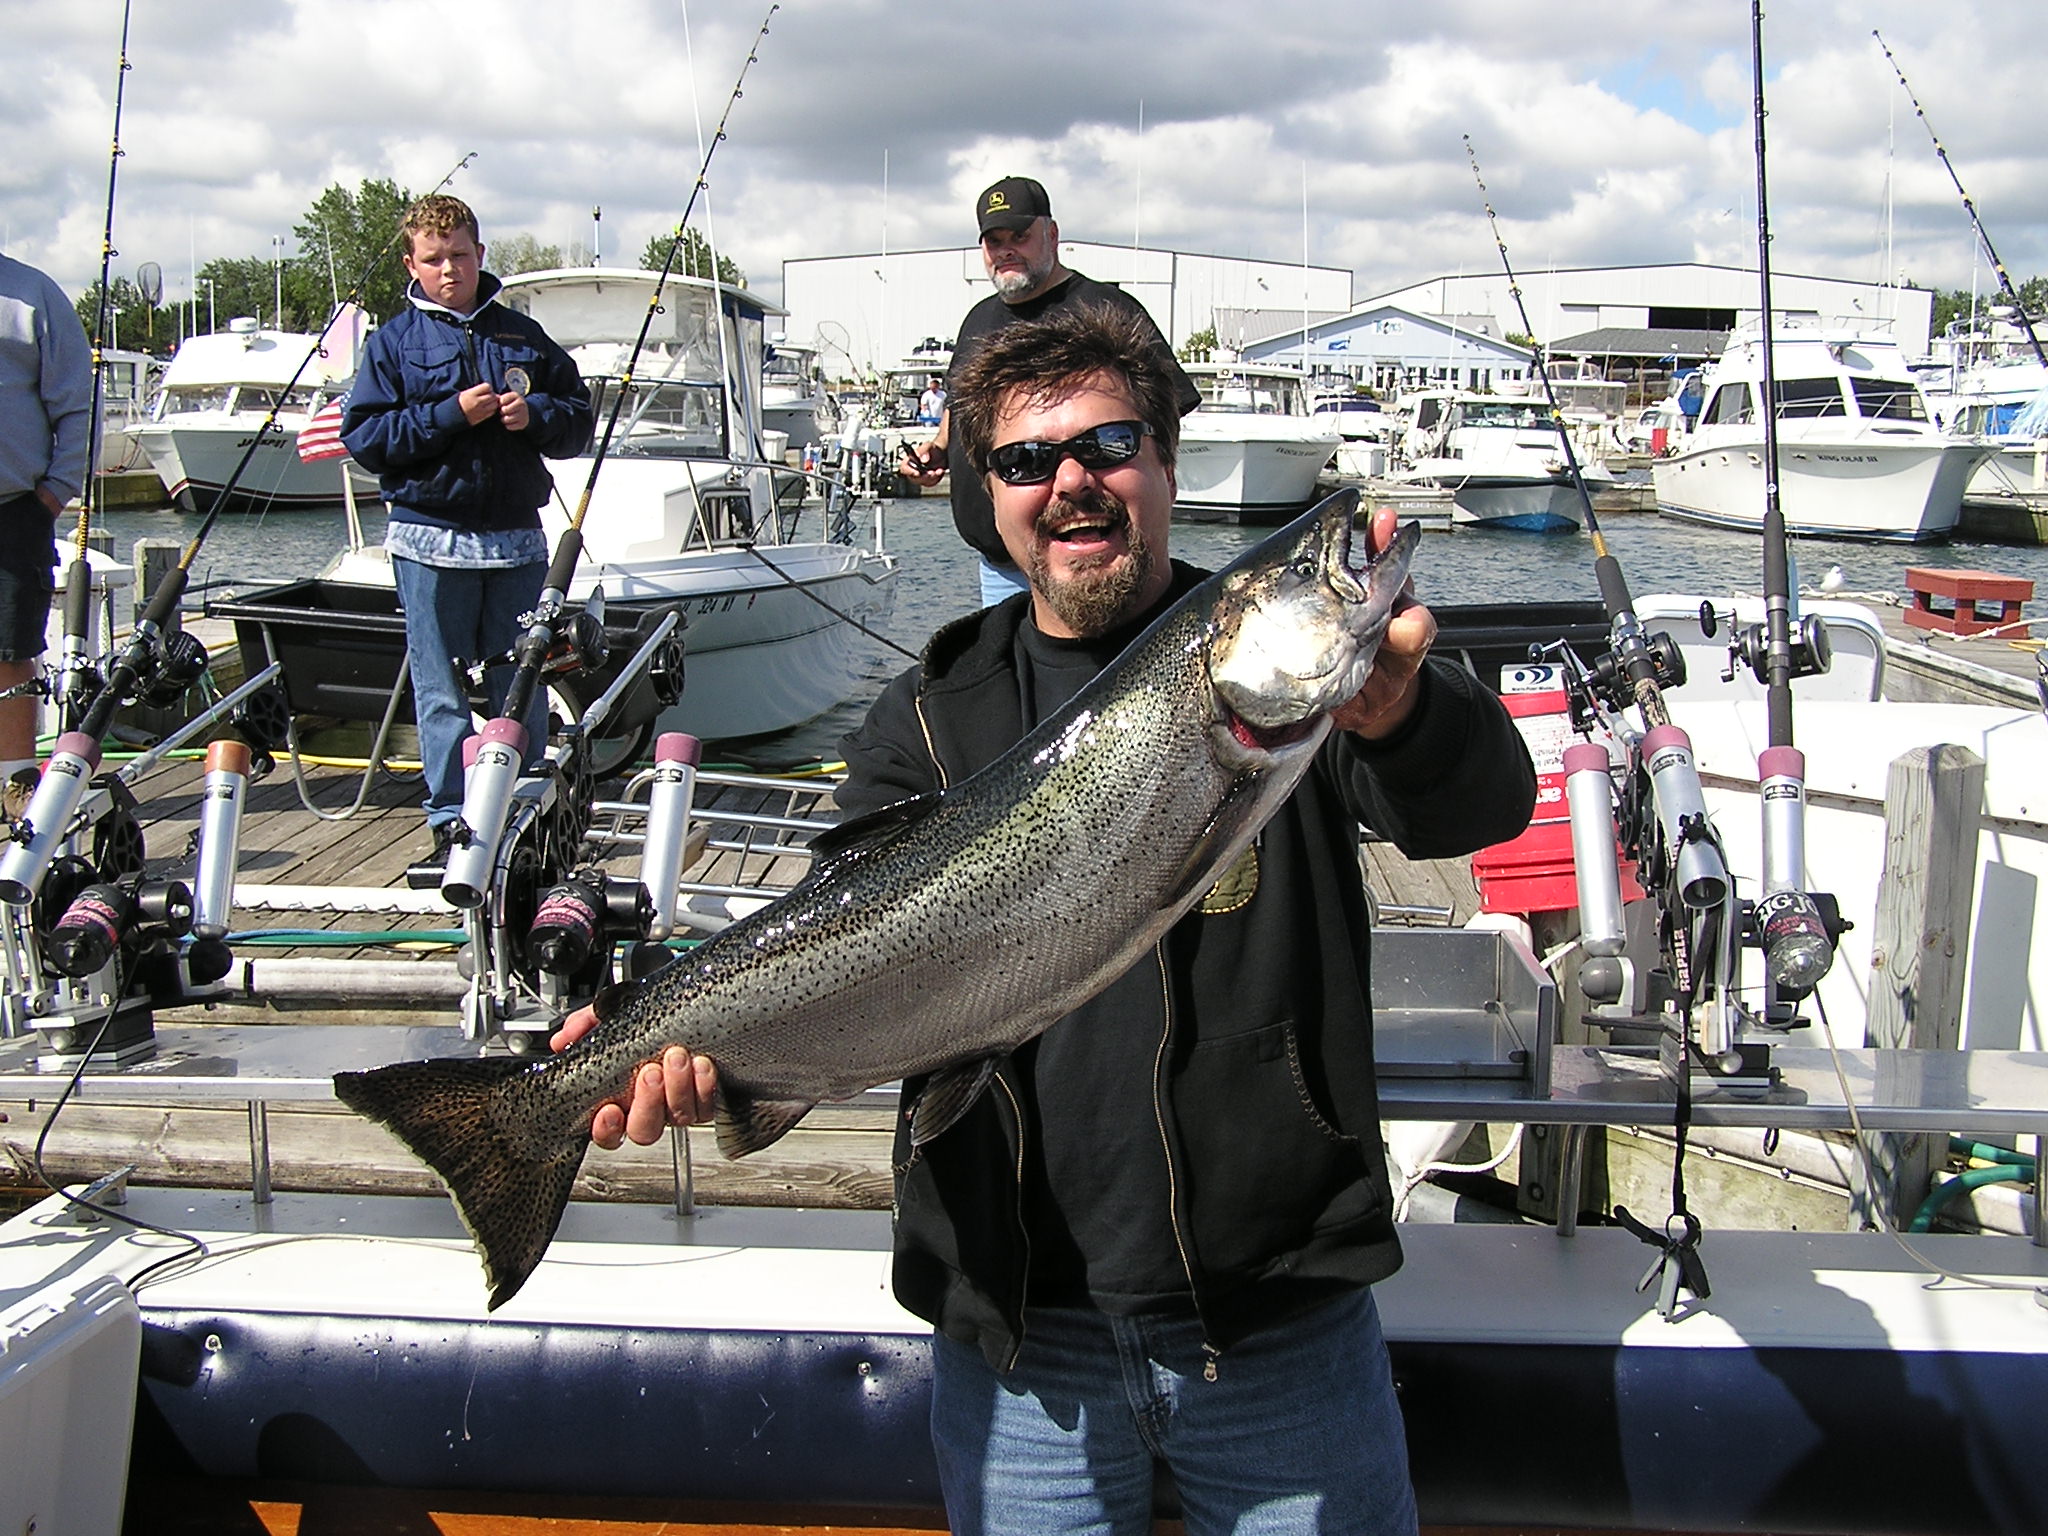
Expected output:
{"points": [[221, 800], [486, 802], [50, 809], [669, 801]]}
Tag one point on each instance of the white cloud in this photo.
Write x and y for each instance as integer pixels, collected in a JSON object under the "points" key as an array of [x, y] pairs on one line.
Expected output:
{"points": [[1607, 132]]}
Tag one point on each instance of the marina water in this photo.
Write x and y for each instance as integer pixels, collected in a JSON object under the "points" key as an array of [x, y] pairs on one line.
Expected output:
{"points": [[939, 582]]}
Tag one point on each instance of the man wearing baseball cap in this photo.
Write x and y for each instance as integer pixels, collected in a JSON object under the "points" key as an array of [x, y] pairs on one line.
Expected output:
{"points": [[1020, 247]]}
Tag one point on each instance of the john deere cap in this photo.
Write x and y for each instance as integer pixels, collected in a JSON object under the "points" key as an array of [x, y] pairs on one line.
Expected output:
{"points": [[1012, 203]]}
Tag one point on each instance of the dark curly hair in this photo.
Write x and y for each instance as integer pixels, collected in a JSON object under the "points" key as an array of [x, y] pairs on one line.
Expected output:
{"points": [[1047, 357]]}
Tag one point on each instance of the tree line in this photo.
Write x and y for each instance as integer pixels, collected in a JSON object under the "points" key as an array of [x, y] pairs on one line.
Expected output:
{"points": [[340, 237]]}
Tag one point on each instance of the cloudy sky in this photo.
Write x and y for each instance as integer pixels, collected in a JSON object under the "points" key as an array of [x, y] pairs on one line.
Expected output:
{"points": [[1608, 132]]}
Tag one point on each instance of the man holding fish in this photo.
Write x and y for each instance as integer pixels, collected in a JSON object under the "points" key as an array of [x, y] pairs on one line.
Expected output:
{"points": [[1151, 1230]]}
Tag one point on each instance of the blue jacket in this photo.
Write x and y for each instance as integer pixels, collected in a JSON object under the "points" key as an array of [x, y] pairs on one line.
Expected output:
{"points": [[403, 423]]}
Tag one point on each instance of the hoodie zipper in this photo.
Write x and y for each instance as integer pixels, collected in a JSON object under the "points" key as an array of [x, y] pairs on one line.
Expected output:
{"points": [[1209, 1351]]}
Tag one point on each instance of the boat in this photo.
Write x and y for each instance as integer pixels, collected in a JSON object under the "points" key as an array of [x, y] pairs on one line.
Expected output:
{"points": [[330, 1350], [1250, 452], [684, 515], [1363, 427], [1860, 455], [217, 392], [1501, 457], [794, 400], [128, 385], [2003, 401]]}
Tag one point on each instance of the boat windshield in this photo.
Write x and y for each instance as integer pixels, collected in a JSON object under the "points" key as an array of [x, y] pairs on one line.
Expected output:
{"points": [[183, 398], [665, 418], [1888, 399], [1808, 397], [1520, 415], [1250, 395]]}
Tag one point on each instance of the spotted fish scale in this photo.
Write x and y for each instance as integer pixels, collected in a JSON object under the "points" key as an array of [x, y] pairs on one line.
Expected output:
{"points": [[933, 938]]}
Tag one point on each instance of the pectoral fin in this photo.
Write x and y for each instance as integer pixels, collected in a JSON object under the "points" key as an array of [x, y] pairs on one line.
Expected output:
{"points": [[1204, 865], [747, 1124], [947, 1096]]}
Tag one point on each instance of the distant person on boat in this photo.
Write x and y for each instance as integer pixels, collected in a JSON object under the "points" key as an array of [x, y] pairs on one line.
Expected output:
{"points": [[45, 440], [1156, 1232], [1020, 247], [456, 401], [931, 405]]}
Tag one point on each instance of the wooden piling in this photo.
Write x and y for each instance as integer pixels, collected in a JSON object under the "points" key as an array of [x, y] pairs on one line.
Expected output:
{"points": [[1934, 797]]}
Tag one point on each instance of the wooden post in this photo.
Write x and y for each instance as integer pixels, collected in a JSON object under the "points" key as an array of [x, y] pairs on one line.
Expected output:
{"points": [[1933, 800], [154, 560]]}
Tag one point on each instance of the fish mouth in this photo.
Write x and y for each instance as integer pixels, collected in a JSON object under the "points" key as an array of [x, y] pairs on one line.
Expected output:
{"points": [[1267, 738]]}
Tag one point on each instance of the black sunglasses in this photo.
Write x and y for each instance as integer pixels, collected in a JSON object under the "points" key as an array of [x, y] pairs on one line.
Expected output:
{"points": [[1031, 463]]}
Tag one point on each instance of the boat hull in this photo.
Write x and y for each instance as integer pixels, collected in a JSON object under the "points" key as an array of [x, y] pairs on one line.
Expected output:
{"points": [[196, 461], [1864, 487], [767, 1363], [1248, 479], [767, 648], [1514, 505]]}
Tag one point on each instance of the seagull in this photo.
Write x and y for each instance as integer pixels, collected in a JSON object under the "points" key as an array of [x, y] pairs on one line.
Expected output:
{"points": [[1834, 580]]}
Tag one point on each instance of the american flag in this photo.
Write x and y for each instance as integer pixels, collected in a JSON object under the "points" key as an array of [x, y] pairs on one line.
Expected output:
{"points": [[320, 437]]}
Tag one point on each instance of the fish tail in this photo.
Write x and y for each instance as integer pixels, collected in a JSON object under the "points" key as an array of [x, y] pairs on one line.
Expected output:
{"points": [[510, 1200]]}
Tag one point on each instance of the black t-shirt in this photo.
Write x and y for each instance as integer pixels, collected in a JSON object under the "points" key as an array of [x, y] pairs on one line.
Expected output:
{"points": [[973, 513], [1095, 1170]]}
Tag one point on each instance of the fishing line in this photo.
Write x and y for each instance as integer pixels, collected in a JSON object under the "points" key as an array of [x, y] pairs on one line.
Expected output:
{"points": [[1630, 645], [94, 1212], [539, 638], [106, 308], [847, 618], [1969, 207]]}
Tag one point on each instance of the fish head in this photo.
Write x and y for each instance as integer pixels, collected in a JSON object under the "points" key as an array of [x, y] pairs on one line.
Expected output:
{"points": [[1298, 624]]}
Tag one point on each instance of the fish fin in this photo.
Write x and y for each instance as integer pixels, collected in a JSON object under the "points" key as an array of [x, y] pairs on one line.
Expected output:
{"points": [[1204, 865], [747, 1124], [510, 1201], [871, 829], [947, 1096]]}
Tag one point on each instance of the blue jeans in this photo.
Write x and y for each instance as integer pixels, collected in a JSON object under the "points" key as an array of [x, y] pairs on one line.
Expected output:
{"points": [[1299, 1432], [1001, 581], [455, 616]]}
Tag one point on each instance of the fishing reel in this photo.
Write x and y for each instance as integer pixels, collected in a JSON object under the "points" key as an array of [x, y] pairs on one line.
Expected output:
{"points": [[1812, 652], [1606, 677], [580, 920], [177, 662], [580, 644]]}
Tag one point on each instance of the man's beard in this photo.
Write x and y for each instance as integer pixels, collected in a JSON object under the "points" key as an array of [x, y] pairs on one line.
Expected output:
{"points": [[1094, 598], [1022, 285]]}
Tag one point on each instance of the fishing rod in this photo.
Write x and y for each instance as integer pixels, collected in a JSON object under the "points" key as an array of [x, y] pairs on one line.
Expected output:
{"points": [[1797, 948], [502, 744], [2004, 278], [149, 662], [74, 666], [1649, 667]]}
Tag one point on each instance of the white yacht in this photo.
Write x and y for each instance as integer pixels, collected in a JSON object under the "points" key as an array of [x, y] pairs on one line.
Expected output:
{"points": [[1250, 452], [1502, 458], [683, 514], [1860, 455], [1363, 427], [128, 384], [2004, 401], [794, 400], [217, 391]]}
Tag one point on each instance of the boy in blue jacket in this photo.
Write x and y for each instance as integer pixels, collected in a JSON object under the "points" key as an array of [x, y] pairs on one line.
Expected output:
{"points": [[455, 403]]}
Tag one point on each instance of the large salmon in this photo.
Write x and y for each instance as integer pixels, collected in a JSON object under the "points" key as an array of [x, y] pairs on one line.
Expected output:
{"points": [[935, 936]]}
